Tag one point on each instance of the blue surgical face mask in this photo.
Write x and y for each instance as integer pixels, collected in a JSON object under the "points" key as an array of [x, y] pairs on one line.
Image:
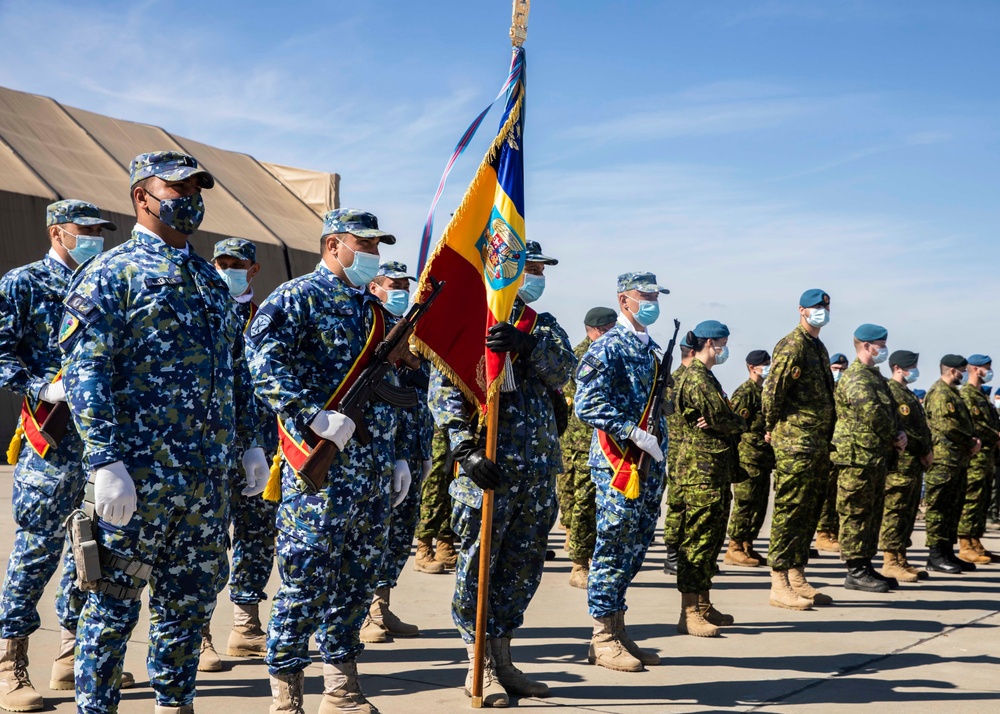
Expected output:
{"points": [[236, 279], [396, 302], [648, 312], [533, 287], [183, 214], [964, 379], [818, 316], [86, 247], [836, 376], [764, 371], [988, 376], [362, 269], [912, 376], [722, 356], [882, 355]]}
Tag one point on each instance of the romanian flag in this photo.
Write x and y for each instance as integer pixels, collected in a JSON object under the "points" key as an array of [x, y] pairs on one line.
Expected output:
{"points": [[480, 256]]}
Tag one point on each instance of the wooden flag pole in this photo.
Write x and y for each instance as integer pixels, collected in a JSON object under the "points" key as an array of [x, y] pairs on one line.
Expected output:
{"points": [[485, 547]]}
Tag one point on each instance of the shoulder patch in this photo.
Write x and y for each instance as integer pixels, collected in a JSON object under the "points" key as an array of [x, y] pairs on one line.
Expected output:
{"points": [[267, 317], [975, 411], [796, 372], [904, 409], [165, 280], [85, 308], [744, 412], [68, 327], [589, 367], [951, 407]]}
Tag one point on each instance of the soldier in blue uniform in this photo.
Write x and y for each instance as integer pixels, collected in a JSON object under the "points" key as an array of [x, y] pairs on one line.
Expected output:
{"points": [[392, 286], [306, 344], [614, 382], [157, 386], [523, 480], [48, 481], [252, 516]]}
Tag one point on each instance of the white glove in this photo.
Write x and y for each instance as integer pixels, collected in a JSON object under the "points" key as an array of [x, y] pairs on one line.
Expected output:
{"points": [[52, 393], [400, 482], [425, 469], [114, 493], [333, 426], [257, 471], [647, 442]]}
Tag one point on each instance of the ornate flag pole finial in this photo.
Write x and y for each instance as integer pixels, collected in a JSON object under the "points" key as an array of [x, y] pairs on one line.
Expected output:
{"points": [[519, 22]]}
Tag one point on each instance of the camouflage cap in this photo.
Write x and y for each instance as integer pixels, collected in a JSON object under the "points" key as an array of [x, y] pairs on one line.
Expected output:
{"points": [[358, 223], [533, 254], [236, 247], [79, 212], [643, 282], [169, 166], [393, 269]]}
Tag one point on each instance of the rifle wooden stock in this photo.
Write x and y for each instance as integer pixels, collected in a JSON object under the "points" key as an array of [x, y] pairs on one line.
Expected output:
{"points": [[659, 393], [54, 427]]}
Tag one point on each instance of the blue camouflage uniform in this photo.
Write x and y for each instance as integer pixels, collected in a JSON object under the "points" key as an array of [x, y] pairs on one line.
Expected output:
{"points": [[300, 347], [46, 490], [155, 378], [614, 382], [524, 504]]}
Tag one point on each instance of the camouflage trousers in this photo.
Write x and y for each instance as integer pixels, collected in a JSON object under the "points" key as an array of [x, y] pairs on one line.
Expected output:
{"points": [[435, 501], [703, 530], [330, 546], [524, 511], [826, 516], [860, 501], [253, 543], [45, 493], [180, 529], [625, 528], [800, 482], [902, 500], [582, 521], [402, 523], [565, 494], [982, 471], [750, 503], [674, 505], [944, 495]]}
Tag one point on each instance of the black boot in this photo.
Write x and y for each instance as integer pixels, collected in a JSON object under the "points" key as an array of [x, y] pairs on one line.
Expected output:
{"points": [[891, 582], [938, 561], [949, 551], [861, 577], [670, 564]]}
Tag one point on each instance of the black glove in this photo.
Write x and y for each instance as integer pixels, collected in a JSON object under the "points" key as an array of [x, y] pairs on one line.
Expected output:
{"points": [[504, 337], [483, 472], [560, 409], [669, 408]]}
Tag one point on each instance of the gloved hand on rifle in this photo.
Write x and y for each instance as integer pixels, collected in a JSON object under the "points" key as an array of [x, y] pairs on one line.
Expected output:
{"points": [[504, 337], [333, 426], [257, 471], [52, 393], [483, 472], [647, 442], [401, 479]]}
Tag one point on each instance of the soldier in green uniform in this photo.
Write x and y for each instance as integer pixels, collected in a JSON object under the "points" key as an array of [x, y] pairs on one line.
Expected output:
{"points": [[707, 463], [868, 430], [675, 430], [581, 522], [828, 528], [435, 512], [955, 443], [757, 462], [982, 468], [798, 421], [902, 485]]}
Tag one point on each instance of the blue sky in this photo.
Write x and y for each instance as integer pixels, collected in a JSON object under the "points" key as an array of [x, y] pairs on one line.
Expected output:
{"points": [[744, 151]]}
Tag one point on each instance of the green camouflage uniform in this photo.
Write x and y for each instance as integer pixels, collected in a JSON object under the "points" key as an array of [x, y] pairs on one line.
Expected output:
{"points": [[799, 414], [435, 501], [867, 424], [953, 432], [675, 433], [757, 459], [902, 485], [580, 516], [707, 463], [982, 467]]}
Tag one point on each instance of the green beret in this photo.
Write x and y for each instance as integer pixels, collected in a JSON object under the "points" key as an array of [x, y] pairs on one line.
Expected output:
{"points": [[599, 317], [904, 359], [954, 361]]}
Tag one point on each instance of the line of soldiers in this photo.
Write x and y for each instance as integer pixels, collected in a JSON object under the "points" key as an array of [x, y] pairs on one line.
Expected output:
{"points": [[179, 385]]}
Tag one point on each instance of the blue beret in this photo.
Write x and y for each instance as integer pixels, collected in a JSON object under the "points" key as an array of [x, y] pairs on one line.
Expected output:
{"points": [[838, 358], [684, 341], [871, 333], [986, 389], [236, 247], [814, 297], [979, 360], [710, 330], [920, 393]]}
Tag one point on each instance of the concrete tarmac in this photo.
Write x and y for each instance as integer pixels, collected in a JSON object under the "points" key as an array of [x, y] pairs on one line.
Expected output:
{"points": [[927, 647]]}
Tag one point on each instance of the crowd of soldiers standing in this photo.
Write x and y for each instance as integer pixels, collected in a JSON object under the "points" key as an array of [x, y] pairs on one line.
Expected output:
{"points": [[179, 386]]}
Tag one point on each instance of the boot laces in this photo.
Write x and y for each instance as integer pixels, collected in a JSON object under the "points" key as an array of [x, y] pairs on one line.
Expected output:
{"points": [[21, 672]]}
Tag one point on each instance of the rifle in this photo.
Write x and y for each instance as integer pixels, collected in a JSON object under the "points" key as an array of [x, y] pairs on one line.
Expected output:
{"points": [[53, 429], [370, 384], [664, 379]]}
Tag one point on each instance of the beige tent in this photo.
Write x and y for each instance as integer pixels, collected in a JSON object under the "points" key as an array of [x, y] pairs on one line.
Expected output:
{"points": [[49, 152]]}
